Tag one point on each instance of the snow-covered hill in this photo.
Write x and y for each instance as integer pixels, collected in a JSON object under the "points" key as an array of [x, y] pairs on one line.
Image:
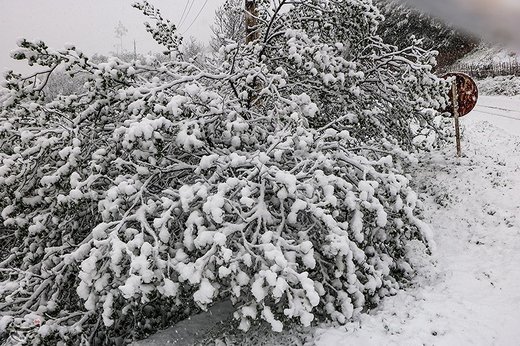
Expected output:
{"points": [[488, 55]]}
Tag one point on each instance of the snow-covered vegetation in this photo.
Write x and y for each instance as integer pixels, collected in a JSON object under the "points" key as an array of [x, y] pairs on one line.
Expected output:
{"points": [[404, 23], [472, 293], [273, 176], [500, 85], [229, 24], [467, 292], [488, 54]]}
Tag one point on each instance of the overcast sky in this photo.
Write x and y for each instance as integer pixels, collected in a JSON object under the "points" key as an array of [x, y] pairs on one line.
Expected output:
{"points": [[90, 24]]}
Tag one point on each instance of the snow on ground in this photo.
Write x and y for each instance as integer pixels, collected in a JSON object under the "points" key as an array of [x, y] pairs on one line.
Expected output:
{"points": [[501, 111], [471, 294]]}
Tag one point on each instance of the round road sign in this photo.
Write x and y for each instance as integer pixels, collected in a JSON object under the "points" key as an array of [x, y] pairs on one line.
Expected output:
{"points": [[467, 93]]}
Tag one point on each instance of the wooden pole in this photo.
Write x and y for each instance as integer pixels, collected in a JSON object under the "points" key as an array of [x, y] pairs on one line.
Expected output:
{"points": [[251, 21], [455, 102]]}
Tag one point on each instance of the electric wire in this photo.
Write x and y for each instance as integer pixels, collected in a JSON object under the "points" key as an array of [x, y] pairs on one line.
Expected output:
{"points": [[184, 11], [187, 13], [197, 16]]}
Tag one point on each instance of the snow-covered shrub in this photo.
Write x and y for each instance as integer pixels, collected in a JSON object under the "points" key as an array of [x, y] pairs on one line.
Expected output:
{"points": [[500, 85], [272, 178]]}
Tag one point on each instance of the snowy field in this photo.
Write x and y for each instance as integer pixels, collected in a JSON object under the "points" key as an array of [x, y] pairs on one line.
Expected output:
{"points": [[471, 294]]}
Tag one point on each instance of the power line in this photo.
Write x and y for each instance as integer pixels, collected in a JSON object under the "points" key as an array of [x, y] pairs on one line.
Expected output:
{"points": [[197, 16], [187, 13], [184, 11]]}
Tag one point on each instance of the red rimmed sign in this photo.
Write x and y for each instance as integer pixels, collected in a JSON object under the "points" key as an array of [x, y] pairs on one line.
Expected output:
{"points": [[464, 96], [467, 93]]}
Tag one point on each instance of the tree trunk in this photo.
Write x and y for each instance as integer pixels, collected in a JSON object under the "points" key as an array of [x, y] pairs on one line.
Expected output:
{"points": [[251, 21]]}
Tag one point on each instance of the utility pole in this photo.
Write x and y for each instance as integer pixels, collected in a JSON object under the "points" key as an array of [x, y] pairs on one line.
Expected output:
{"points": [[251, 21], [135, 51]]}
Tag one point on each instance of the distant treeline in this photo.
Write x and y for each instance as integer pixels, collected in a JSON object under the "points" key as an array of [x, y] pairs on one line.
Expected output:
{"points": [[404, 23]]}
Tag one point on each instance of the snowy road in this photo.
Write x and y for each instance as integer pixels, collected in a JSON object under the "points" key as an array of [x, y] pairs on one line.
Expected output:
{"points": [[501, 111], [472, 296]]}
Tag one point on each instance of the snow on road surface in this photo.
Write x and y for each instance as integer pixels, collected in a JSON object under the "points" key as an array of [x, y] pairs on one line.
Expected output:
{"points": [[501, 111], [471, 293]]}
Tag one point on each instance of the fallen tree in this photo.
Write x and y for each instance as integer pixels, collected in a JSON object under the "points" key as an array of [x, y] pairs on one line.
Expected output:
{"points": [[273, 178]]}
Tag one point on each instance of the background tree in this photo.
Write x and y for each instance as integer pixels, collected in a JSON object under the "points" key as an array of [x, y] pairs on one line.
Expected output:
{"points": [[63, 83], [228, 25], [193, 51], [120, 32], [403, 24]]}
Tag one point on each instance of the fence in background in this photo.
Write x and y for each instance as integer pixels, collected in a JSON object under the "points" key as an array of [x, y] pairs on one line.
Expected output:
{"points": [[480, 71]]}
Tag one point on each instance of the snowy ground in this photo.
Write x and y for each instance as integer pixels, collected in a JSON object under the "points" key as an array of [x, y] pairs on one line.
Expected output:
{"points": [[471, 295]]}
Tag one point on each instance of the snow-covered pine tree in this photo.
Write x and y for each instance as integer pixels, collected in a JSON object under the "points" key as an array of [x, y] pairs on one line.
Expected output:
{"points": [[164, 187]]}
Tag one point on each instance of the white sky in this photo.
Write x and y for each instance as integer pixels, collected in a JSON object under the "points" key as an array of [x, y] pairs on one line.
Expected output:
{"points": [[90, 24]]}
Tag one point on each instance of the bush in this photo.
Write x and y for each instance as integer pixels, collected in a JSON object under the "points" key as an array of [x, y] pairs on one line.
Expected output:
{"points": [[273, 178], [500, 85]]}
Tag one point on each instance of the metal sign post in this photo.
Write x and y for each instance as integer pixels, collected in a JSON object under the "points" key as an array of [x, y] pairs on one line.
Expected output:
{"points": [[464, 96], [454, 98]]}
